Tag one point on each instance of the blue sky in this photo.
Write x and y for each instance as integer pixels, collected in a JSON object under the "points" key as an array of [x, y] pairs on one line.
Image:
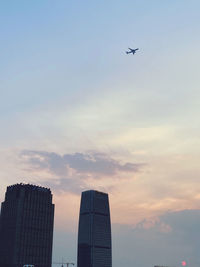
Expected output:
{"points": [[77, 113]]}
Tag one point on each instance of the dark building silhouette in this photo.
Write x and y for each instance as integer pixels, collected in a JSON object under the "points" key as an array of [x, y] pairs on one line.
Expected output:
{"points": [[94, 233], [26, 226]]}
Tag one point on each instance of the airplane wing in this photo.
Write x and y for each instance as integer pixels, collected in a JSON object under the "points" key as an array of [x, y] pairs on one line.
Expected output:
{"points": [[130, 48]]}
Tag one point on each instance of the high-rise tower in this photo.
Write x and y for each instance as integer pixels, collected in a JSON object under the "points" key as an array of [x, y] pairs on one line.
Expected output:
{"points": [[26, 226], [94, 234]]}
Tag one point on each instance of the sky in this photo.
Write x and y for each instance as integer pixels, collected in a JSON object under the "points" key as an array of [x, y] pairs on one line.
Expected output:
{"points": [[78, 113]]}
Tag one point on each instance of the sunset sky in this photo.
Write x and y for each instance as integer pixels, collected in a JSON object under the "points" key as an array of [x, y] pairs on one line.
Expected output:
{"points": [[77, 113]]}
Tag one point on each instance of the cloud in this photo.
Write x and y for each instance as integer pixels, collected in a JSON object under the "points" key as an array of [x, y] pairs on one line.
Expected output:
{"points": [[93, 163], [166, 240], [154, 223], [73, 170]]}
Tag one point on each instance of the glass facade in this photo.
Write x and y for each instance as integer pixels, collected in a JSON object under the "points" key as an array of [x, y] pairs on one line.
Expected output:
{"points": [[94, 234], [26, 226]]}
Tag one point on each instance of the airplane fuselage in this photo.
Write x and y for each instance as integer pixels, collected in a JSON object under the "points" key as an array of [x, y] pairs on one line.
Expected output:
{"points": [[133, 51]]}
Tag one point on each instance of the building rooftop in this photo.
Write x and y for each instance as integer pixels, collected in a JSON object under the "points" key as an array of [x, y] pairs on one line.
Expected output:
{"points": [[28, 187]]}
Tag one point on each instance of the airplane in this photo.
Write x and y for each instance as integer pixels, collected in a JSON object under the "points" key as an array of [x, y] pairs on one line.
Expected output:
{"points": [[132, 51]]}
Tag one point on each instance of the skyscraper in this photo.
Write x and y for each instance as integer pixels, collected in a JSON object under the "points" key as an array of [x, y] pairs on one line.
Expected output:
{"points": [[26, 226], [94, 234]]}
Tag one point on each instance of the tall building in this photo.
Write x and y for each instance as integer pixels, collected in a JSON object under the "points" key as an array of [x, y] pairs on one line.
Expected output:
{"points": [[94, 233], [26, 226]]}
